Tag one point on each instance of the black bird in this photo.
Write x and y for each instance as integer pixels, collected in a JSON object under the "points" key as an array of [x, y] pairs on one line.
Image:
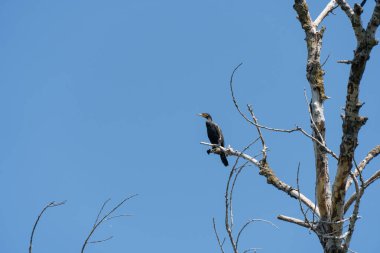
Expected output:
{"points": [[215, 135]]}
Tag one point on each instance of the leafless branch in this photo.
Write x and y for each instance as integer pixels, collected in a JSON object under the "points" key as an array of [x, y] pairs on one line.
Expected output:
{"points": [[106, 217], [326, 11], [98, 241], [325, 61], [367, 183], [264, 150], [296, 129], [51, 204], [374, 22], [295, 221], [369, 157], [348, 62], [355, 213], [299, 200], [248, 223], [254, 250], [217, 236], [266, 172], [353, 17]]}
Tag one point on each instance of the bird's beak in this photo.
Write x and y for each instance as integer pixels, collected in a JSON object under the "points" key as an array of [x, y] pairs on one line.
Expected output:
{"points": [[200, 114]]}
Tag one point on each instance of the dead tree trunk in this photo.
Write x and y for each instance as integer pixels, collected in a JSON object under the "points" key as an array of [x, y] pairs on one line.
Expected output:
{"points": [[332, 203]]}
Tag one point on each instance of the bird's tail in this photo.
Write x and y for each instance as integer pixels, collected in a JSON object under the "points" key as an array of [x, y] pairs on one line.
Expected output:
{"points": [[224, 159]]}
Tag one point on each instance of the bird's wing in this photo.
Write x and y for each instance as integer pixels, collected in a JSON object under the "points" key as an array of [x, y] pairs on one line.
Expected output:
{"points": [[221, 139]]}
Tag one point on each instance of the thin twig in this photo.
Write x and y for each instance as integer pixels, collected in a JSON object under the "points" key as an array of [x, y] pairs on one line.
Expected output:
{"points": [[106, 217], [51, 204], [217, 236], [296, 129], [246, 225], [98, 241], [354, 217], [300, 203]]}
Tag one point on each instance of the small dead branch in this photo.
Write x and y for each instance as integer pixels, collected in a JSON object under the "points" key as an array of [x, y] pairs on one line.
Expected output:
{"points": [[367, 183], [217, 236], [247, 224], [355, 213], [369, 157], [105, 218], [348, 62], [51, 204], [295, 221], [326, 11]]}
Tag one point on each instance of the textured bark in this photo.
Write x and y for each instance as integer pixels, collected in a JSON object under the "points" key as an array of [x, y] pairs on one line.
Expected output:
{"points": [[352, 121], [330, 228], [314, 75]]}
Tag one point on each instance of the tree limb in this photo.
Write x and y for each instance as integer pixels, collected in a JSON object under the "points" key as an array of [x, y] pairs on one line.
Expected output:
{"points": [[367, 183], [355, 19], [265, 171], [295, 221], [326, 11], [371, 155]]}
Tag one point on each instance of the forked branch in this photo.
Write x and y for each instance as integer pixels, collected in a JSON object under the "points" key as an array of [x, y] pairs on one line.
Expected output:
{"points": [[106, 217]]}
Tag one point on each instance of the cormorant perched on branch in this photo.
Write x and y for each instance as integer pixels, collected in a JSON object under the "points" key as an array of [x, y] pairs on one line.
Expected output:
{"points": [[215, 135]]}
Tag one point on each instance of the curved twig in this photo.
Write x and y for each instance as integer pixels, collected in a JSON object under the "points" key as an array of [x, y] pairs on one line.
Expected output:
{"points": [[51, 204], [246, 225], [296, 129]]}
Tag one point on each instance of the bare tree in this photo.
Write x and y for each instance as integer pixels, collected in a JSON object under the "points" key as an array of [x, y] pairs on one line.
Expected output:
{"points": [[328, 217]]}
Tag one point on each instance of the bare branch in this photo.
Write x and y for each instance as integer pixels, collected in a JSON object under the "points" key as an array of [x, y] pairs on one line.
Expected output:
{"points": [[217, 236], [367, 183], [354, 17], [300, 203], [266, 172], [295, 221], [374, 22], [248, 223], [304, 15], [348, 62], [51, 204], [371, 155], [98, 241], [106, 217], [326, 11], [296, 129], [264, 150], [355, 213], [254, 250]]}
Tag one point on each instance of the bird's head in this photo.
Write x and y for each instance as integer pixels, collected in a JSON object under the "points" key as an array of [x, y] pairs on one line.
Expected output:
{"points": [[205, 115]]}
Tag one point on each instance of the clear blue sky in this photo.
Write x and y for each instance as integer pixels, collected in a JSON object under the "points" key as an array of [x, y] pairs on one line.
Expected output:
{"points": [[98, 99]]}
